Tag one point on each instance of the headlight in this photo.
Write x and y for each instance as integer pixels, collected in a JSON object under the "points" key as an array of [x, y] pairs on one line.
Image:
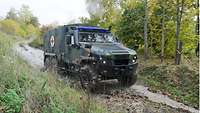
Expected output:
{"points": [[134, 57], [104, 62], [100, 58]]}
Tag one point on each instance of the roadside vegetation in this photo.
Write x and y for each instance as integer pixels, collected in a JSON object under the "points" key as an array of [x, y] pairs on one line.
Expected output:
{"points": [[180, 83], [23, 89], [37, 43]]}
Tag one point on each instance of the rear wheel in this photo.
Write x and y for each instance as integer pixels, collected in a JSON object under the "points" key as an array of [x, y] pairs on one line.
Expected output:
{"points": [[51, 64], [54, 65], [47, 63]]}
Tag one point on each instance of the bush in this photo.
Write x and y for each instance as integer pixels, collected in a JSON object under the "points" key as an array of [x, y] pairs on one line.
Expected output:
{"points": [[37, 43], [12, 101], [14, 28], [10, 26], [31, 30]]}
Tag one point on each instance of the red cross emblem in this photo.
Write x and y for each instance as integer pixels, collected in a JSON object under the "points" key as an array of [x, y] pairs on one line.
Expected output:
{"points": [[52, 41]]}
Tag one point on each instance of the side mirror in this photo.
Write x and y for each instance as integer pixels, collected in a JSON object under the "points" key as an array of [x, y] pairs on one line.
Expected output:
{"points": [[88, 46]]}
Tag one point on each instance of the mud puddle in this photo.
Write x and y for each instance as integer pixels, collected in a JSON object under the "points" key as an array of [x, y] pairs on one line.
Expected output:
{"points": [[32, 56]]}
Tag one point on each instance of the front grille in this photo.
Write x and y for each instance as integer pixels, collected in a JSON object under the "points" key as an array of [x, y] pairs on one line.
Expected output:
{"points": [[118, 51], [116, 57], [121, 61]]}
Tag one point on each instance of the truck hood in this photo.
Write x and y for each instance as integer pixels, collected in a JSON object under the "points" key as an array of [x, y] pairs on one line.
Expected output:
{"points": [[110, 49]]}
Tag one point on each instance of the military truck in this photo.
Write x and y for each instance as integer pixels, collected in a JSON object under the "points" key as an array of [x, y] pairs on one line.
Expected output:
{"points": [[92, 52]]}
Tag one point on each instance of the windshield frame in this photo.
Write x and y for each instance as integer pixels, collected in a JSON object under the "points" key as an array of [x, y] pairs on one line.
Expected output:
{"points": [[114, 40]]}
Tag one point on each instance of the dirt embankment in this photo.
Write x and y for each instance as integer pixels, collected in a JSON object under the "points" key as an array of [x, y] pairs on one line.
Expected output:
{"points": [[136, 99]]}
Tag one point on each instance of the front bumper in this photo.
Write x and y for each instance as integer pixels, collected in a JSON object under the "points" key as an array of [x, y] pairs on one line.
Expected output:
{"points": [[116, 71]]}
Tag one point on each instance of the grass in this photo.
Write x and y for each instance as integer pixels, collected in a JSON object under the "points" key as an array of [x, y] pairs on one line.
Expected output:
{"points": [[180, 83], [25, 90]]}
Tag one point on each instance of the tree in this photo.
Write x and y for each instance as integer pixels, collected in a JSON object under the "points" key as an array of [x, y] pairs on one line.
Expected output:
{"points": [[25, 14], [145, 31], [163, 32], [127, 18], [10, 26], [12, 14], [130, 26], [197, 23], [179, 12], [46, 28], [34, 21], [103, 13]]}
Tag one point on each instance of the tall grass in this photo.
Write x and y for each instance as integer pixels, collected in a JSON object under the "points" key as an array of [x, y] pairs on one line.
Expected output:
{"points": [[23, 89]]}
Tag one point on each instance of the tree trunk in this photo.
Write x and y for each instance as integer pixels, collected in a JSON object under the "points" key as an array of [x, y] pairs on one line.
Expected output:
{"points": [[197, 25], [178, 23], [145, 32], [197, 28], [163, 37], [151, 50]]}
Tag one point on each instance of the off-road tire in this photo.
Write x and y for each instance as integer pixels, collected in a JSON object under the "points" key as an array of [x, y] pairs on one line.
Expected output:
{"points": [[47, 63], [128, 80], [51, 64], [86, 78], [54, 65]]}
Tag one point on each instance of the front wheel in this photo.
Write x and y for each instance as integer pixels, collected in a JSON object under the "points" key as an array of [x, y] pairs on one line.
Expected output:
{"points": [[128, 80], [86, 78]]}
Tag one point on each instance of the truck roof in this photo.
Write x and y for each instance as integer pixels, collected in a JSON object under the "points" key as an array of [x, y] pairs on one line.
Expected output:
{"points": [[82, 27]]}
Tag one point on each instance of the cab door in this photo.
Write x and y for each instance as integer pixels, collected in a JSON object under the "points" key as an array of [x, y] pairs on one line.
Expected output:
{"points": [[72, 50]]}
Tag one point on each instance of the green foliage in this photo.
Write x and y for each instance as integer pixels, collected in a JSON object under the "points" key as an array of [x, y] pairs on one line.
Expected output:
{"points": [[130, 27], [25, 14], [45, 28], [21, 23], [12, 14], [126, 19], [10, 27], [14, 28], [37, 43], [31, 30], [12, 101]]}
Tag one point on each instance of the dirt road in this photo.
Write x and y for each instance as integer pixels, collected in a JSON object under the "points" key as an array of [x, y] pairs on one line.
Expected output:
{"points": [[136, 99]]}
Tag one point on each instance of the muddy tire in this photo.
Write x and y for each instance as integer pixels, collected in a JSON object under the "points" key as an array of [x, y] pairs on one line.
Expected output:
{"points": [[47, 63], [51, 64], [54, 65], [86, 78], [128, 80]]}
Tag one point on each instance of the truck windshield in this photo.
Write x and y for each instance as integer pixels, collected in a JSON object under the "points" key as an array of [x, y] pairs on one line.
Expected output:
{"points": [[97, 37]]}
